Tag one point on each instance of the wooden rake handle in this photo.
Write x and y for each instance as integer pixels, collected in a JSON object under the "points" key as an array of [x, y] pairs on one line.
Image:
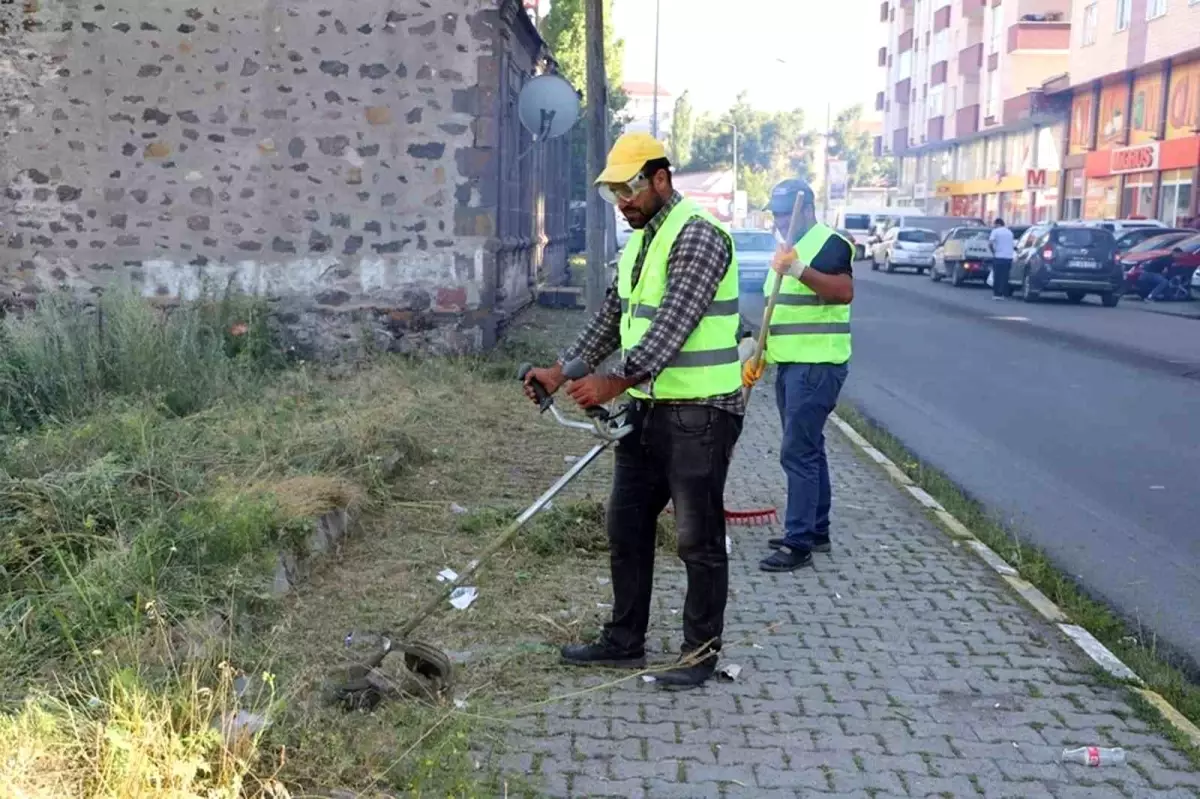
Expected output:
{"points": [[761, 346]]}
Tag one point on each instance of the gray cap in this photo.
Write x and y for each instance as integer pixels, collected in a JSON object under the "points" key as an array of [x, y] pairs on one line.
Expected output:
{"points": [[783, 196]]}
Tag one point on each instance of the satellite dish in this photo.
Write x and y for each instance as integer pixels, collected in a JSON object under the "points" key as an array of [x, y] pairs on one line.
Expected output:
{"points": [[548, 106]]}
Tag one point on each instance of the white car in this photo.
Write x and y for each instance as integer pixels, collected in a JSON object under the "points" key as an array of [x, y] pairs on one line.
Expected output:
{"points": [[907, 247], [1119, 226]]}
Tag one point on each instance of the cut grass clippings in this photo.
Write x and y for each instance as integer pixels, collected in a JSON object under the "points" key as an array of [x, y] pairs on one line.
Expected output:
{"points": [[1149, 662]]}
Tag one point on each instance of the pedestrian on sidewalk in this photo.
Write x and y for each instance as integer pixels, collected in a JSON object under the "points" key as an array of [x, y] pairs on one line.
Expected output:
{"points": [[809, 340], [1001, 239], [673, 312]]}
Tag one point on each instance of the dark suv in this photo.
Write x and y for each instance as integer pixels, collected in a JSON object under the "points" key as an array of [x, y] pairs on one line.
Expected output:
{"points": [[1073, 259]]}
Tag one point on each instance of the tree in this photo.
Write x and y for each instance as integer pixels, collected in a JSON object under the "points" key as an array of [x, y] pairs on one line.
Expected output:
{"points": [[683, 131], [849, 142], [565, 31], [771, 147]]}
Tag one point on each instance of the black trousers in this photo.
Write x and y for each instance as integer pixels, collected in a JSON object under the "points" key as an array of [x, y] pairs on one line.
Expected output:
{"points": [[679, 453], [1001, 267]]}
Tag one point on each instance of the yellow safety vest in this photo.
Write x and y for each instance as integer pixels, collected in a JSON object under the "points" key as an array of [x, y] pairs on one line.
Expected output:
{"points": [[708, 364], [804, 328]]}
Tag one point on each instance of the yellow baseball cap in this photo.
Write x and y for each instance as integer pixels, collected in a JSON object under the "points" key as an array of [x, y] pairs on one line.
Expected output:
{"points": [[628, 155]]}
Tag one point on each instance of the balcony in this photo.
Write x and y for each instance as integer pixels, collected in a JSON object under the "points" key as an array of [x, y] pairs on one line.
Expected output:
{"points": [[941, 19], [899, 140], [903, 91], [934, 130], [883, 57], [906, 41], [1039, 36], [970, 60], [879, 101], [973, 9], [883, 11], [937, 73], [966, 120]]}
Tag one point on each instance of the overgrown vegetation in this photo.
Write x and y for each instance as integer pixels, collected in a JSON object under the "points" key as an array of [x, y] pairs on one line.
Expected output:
{"points": [[1137, 648], [144, 498]]}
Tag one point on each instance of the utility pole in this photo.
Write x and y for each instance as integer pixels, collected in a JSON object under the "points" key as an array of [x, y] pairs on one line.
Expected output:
{"points": [[597, 125], [654, 116]]}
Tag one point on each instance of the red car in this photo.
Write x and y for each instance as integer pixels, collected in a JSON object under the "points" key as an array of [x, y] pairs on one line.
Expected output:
{"points": [[1180, 258]]}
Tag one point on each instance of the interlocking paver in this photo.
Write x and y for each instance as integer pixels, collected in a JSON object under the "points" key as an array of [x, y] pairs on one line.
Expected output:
{"points": [[898, 666]]}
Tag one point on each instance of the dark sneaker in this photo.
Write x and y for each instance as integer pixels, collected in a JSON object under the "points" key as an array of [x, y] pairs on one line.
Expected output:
{"points": [[822, 544], [602, 654], [786, 559], [691, 676]]}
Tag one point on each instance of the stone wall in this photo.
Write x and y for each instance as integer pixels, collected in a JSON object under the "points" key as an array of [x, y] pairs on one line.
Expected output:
{"points": [[353, 161]]}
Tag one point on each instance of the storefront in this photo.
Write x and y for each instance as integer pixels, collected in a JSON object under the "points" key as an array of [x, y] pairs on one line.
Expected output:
{"points": [[1153, 180], [1031, 195], [1146, 160]]}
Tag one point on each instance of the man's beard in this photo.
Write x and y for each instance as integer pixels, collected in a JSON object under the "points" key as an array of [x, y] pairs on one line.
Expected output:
{"points": [[641, 220]]}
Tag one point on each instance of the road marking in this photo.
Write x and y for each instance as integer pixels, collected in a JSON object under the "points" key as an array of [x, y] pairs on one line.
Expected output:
{"points": [[1010, 318]]}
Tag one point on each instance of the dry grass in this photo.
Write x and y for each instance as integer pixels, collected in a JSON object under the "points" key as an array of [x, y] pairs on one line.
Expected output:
{"points": [[437, 455]]}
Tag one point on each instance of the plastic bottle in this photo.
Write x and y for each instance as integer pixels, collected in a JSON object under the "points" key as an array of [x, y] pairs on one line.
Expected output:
{"points": [[1094, 756]]}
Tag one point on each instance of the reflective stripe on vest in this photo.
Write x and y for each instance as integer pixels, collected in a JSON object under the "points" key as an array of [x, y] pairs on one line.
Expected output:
{"points": [[708, 364], [805, 328]]}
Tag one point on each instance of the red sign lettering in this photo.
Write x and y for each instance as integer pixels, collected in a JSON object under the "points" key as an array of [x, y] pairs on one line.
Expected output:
{"points": [[1035, 179], [1134, 159]]}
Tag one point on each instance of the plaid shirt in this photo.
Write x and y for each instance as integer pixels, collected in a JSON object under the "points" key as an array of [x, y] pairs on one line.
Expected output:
{"points": [[697, 263]]}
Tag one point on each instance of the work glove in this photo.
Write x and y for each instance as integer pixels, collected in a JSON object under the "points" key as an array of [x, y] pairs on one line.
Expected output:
{"points": [[752, 372]]}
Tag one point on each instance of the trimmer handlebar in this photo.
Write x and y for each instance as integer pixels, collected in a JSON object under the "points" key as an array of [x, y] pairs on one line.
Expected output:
{"points": [[605, 425]]}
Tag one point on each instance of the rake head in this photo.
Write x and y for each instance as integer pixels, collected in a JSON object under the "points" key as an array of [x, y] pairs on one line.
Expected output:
{"points": [[746, 518], [751, 518]]}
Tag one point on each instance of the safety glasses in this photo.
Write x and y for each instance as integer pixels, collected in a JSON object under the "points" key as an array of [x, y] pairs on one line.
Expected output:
{"points": [[617, 192]]}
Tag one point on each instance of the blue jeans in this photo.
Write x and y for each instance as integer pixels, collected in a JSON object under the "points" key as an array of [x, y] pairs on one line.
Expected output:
{"points": [[806, 394]]}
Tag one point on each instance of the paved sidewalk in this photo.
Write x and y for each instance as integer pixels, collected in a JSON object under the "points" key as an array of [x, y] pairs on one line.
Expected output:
{"points": [[900, 667]]}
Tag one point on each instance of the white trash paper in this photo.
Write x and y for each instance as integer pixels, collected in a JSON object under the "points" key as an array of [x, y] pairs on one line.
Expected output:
{"points": [[464, 596], [447, 576]]}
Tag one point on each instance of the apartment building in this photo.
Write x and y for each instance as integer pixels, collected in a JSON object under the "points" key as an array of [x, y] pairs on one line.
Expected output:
{"points": [[968, 110], [1134, 88]]}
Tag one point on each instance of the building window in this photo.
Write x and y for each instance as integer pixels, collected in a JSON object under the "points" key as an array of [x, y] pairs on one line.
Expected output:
{"points": [[1124, 10], [997, 23], [1073, 186], [1155, 8], [1137, 200], [939, 49], [936, 109], [1090, 21], [991, 108], [905, 64], [1176, 196]]}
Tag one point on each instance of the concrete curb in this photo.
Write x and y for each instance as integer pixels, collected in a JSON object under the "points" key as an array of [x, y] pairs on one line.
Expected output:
{"points": [[1084, 640]]}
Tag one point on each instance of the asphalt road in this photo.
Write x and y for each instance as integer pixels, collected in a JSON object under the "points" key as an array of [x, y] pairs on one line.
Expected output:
{"points": [[1078, 425]]}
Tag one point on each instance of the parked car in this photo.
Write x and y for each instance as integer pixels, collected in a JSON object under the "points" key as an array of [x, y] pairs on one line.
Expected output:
{"points": [[908, 247], [1018, 230], [1076, 259], [754, 249], [1176, 259], [1134, 237], [1119, 226], [962, 256]]}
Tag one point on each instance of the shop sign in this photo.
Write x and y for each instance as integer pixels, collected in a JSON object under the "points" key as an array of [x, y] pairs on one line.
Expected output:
{"points": [[1140, 158], [1035, 179], [920, 191]]}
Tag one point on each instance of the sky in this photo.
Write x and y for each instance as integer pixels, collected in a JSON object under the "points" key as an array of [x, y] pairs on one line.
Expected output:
{"points": [[717, 49]]}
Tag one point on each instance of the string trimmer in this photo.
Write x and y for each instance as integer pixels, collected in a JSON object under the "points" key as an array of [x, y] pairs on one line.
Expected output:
{"points": [[427, 671]]}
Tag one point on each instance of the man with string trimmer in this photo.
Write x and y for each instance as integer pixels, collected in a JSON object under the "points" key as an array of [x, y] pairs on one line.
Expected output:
{"points": [[808, 338], [673, 313]]}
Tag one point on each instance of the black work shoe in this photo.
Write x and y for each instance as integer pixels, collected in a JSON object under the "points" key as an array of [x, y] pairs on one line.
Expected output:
{"points": [[786, 559], [602, 654], [822, 544], [688, 676]]}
